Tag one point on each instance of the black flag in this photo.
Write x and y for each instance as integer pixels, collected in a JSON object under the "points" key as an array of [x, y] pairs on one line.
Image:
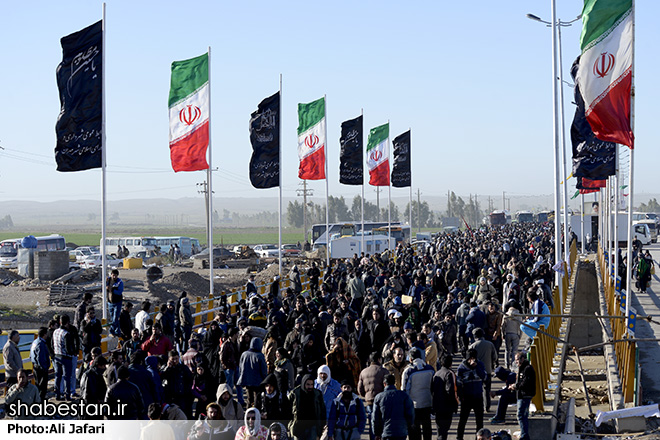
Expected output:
{"points": [[79, 125], [265, 139], [592, 158], [350, 158], [401, 161]]}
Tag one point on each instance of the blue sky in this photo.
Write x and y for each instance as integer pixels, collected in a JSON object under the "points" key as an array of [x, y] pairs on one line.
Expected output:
{"points": [[472, 80]]}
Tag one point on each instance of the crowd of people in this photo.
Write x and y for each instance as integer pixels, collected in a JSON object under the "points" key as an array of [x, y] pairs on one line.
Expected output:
{"points": [[368, 348]]}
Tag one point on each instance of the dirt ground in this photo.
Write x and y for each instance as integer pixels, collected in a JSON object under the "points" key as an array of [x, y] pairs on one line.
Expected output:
{"points": [[24, 302]]}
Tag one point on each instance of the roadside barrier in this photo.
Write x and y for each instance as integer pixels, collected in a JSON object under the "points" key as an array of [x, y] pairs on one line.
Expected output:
{"points": [[626, 351], [544, 346]]}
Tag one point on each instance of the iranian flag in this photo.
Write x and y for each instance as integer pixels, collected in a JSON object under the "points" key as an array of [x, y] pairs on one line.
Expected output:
{"points": [[605, 72], [189, 114], [378, 155], [311, 140]]}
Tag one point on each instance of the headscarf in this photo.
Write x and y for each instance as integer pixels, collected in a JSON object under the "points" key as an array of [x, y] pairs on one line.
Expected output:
{"points": [[257, 421], [323, 369]]}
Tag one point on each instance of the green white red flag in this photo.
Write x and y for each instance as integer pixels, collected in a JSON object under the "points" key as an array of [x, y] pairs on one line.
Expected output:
{"points": [[311, 140], [378, 155], [189, 114], [605, 72]]}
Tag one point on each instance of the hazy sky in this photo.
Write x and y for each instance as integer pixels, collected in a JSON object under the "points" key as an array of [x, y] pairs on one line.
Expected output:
{"points": [[471, 79]]}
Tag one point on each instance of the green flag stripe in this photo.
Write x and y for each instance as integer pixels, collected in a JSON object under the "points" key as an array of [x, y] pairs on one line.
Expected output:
{"points": [[599, 16], [378, 135], [310, 114], [188, 76]]}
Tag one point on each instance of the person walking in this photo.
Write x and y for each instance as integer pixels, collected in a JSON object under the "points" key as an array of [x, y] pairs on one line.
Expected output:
{"points": [[12, 356], [40, 358], [445, 396], [526, 389], [308, 410], [416, 381], [252, 370], [469, 378], [347, 415], [394, 412], [115, 290], [486, 353], [370, 384]]}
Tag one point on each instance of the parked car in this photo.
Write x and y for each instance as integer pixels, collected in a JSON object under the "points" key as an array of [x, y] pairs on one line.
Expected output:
{"points": [[218, 252], [290, 250], [267, 251], [95, 261]]}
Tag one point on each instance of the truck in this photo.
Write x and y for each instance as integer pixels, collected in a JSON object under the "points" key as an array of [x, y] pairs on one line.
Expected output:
{"points": [[641, 231]]}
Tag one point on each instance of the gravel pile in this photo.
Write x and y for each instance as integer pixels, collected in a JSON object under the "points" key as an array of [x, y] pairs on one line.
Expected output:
{"points": [[191, 282]]}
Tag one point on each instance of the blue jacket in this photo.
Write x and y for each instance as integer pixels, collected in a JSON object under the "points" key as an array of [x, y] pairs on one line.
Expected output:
{"points": [[330, 392], [39, 353], [476, 318], [393, 413], [252, 367], [342, 417], [470, 381]]}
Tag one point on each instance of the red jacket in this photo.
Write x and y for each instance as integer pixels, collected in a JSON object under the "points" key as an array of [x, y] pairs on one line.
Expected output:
{"points": [[153, 348]]}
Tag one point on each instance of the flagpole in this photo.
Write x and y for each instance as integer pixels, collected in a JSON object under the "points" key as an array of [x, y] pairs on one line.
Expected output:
{"points": [[410, 204], [629, 262], [209, 194], [327, 205], [555, 126], [563, 146], [582, 223], [362, 199], [104, 269], [616, 215], [389, 189], [279, 217]]}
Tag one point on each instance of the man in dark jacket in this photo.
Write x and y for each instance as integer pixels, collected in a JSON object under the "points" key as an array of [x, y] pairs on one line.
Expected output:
{"points": [[308, 410], [470, 379], [124, 398], [445, 396], [393, 413], [140, 376], [93, 387], [40, 358], [252, 370], [526, 388], [125, 322], [91, 330], [335, 330], [507, 395], [379, 331], [177, 383]]}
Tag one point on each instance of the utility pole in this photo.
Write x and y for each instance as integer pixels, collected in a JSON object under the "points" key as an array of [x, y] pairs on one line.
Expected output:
{"points": [[476, 210], [448, 204], [503, 200], [419, 218], [304, 192], [204, 190]]}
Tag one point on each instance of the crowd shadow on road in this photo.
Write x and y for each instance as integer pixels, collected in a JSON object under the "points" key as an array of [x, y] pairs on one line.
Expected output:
{"points": [[648, 304]]}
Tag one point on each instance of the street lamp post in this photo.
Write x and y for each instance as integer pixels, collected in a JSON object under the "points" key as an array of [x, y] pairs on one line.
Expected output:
{"points": [[558, 125]]}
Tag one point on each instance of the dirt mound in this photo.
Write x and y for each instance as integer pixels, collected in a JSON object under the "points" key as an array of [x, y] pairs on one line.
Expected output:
{"points": [[7, 276], [175, 283]]}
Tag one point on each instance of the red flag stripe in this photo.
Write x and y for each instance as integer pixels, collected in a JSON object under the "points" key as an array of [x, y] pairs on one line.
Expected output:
{"points": [[189, 152]]}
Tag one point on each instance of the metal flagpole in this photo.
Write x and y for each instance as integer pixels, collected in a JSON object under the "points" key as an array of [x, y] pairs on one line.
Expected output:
{"points": [[582, 222], [410, 210], [327, 205], [389, 190], [629, 262], [555, 126], [209, 193], [563, 146], [104, 269], [362, 200], [616, 214], [279, 217]]}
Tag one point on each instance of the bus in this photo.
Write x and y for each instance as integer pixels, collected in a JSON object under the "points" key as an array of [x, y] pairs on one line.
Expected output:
{"points": [[9, 248], [189, 246], [497, 218], [524, 217], [400, 233], [133, 244]]}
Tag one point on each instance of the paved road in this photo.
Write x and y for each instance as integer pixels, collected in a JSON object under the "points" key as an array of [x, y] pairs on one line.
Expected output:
{"points": [[649, 354]]}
